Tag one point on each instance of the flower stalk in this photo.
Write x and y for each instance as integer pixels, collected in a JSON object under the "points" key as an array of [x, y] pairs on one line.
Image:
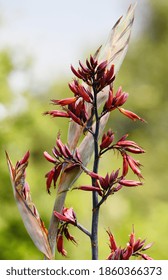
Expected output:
{"points": [[88, 110]]}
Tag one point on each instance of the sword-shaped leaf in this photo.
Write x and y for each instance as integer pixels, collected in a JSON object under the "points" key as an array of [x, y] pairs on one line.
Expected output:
{"points": [[30, 216], [115, 49]]}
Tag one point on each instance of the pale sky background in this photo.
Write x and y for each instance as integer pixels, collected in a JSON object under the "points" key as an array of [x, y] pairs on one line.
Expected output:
{"points": [[58, 33]]}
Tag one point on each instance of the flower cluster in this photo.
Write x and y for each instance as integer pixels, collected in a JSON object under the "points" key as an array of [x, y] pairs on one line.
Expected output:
{"points": [[115, 102], [112, 183], [94, 74], [82, 109], [67, 216], [134, 248], [62, 158], [125, 146], [108, 185], [107, 139]]}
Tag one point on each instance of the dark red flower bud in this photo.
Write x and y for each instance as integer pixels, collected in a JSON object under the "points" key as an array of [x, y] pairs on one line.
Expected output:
{"points": [[68, 152], [125, 165], [64, 102], [109, 102], [60, 247], [56, 153], [93, 61], [25, 158], [112, 245], [68, 216], [130, 183], [57, 173], [134, 166], [132, 239], [107, 139], [74, 117], [89, 188], [84, 93], [56, 113], [116, 189], [49, 158], [120, 97], [69, 236], [53, 175], [134, 150], [49, 176], [61, 147], [77, 155], [102, 66], [130, 115], [128, 253], [76, 73], [84, 68], [109, 75]]}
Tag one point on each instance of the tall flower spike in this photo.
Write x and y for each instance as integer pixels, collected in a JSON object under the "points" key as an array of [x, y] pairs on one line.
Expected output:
{"points": [[114, 52], [30, 216]]}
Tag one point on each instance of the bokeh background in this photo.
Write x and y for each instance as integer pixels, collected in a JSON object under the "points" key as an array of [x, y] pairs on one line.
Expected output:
{"points": [[39, 41]]}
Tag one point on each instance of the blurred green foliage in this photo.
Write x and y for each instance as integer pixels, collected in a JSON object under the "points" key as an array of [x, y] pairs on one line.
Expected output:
{"points": [[144, 76]]}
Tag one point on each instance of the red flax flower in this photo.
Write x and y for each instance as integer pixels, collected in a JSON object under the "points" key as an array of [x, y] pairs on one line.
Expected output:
{"points": [[107, 139], [114, 102], [77, 112], [104, 185], [57, 113], [63, 231], [130, 115], [94, 73], [62, 155], [60, 246], [80, 91], [68, 216], [125, 146], [134, 248]]}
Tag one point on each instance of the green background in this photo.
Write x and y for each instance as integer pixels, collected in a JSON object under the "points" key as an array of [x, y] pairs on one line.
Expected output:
{"points": [[144, 75]]}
